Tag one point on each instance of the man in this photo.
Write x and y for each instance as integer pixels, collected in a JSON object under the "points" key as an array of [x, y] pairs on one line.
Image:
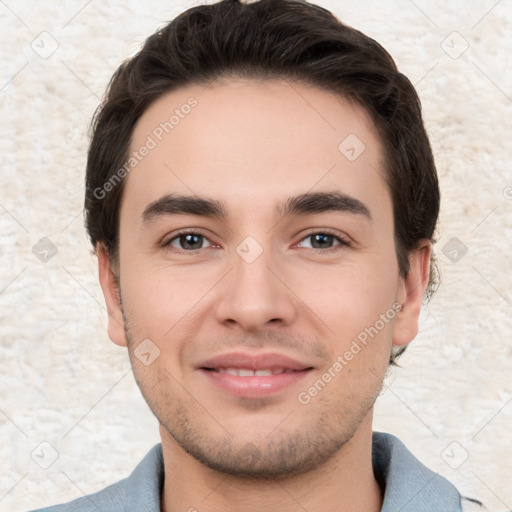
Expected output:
{"points": [[262, 197]]}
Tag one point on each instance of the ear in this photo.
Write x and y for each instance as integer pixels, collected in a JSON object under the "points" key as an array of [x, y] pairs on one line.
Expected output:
{"points": [[410, 295], [110, 289]]}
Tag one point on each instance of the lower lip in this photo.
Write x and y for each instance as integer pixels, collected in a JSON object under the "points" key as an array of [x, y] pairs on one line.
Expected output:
{"points": [[254, 387]]}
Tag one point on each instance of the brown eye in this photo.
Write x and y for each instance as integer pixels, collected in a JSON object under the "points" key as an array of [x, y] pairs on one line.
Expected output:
{"points": [[323, 240], [188, 241]]}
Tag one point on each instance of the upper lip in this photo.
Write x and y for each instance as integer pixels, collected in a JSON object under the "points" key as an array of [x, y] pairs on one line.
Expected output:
{"points": [[271, 361]]}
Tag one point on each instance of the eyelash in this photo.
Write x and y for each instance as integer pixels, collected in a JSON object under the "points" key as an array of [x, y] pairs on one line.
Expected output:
{"points": [[343, 242]]}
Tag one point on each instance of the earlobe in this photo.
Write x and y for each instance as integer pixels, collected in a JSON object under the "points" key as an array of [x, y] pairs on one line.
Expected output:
{"points": [[110, 289], [411, 294]]}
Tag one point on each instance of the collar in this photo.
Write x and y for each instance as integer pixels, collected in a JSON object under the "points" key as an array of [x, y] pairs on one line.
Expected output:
{"points": [[408, 485]]}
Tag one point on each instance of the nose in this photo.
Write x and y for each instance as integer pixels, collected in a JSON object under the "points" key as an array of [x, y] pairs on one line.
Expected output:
{"points": [[256, 295]]}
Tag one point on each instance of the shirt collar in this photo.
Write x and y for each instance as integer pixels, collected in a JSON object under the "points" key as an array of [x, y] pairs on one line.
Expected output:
{"points": [[144, 485], [408, 485]]}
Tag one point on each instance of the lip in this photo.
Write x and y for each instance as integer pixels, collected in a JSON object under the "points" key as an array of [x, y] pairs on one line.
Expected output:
{"points": [[254, 362], [256, 386]]}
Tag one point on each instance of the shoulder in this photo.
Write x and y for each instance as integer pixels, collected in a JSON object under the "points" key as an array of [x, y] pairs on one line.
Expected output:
{"points": [[409, 485], [139, 491], [111, 498]]}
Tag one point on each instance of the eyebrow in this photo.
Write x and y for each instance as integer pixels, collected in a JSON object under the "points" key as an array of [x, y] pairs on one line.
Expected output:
{"points": [[320, 202], [303, 204]]}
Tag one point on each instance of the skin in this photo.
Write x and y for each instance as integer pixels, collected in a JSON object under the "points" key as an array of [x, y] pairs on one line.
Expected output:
{"points": [[251, 146]]}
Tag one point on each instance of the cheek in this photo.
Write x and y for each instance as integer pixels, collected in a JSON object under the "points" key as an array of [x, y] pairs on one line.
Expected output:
{"points": [[350, 296], [357, 303], [359, 308], [160, 300]]}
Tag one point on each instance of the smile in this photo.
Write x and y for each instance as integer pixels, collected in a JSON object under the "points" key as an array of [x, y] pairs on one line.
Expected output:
{"points": [[247, 372]]}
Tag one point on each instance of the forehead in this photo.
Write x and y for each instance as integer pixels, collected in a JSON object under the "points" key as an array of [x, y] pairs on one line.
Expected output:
{"points": [[250, 142]]}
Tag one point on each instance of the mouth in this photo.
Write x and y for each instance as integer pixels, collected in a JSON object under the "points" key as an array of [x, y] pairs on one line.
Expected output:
{"points": [[247, 372], [253, 376]]}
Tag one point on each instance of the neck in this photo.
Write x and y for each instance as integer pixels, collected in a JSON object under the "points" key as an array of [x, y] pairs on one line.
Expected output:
{"points": [[345, 482]]}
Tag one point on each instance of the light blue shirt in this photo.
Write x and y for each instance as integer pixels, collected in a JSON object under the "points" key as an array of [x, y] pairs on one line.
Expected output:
{"points": [[408, 485]]}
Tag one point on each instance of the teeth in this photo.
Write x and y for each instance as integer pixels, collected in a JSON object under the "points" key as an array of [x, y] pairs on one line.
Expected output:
{"points": [[245, 372], [262, 372]]}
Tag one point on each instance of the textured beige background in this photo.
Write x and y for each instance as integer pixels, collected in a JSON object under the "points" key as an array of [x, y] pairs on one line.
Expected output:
{"points": [[64, 383]]}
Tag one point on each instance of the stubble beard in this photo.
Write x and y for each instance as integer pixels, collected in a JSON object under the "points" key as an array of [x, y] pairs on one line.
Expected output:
{"points": [[280, 454]]}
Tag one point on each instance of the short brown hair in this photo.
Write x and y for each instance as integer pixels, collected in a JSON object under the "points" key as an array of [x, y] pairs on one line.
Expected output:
{"points": [[267, 39]]}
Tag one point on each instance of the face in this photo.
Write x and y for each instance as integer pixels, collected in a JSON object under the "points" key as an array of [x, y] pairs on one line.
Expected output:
{"points": [[258, 274]]}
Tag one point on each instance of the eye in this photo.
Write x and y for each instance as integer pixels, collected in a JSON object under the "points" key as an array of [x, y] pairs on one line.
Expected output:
{"points": [[324, 240], [188, 241]]}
